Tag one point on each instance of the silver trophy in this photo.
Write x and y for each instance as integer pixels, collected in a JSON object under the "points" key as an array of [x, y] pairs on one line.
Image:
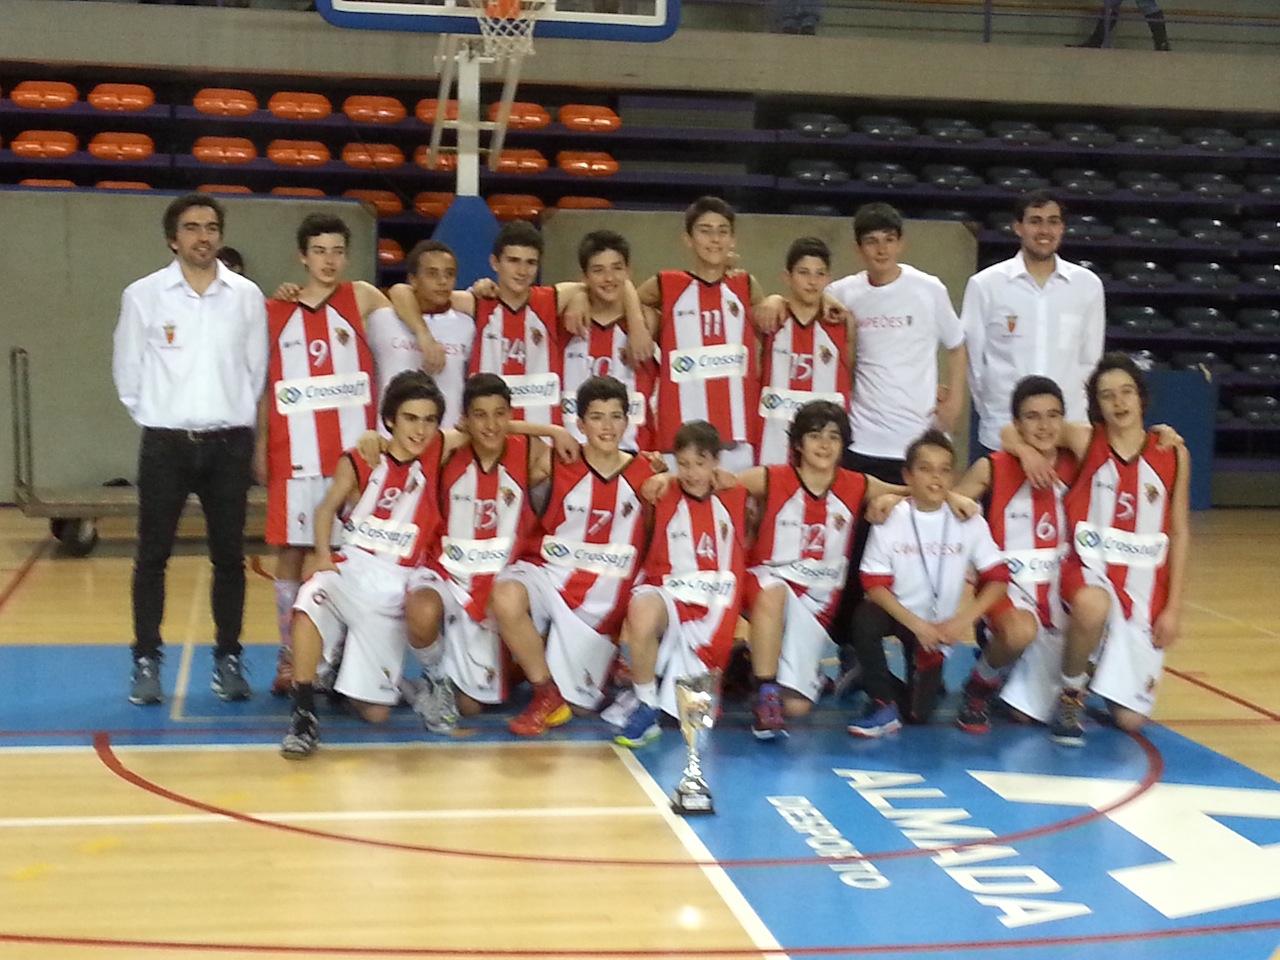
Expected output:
{"points": [[696, 704]]}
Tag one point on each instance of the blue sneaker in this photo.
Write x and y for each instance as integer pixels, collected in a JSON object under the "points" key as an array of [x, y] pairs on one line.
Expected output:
{"points": [[641, 727], [880, 718]]}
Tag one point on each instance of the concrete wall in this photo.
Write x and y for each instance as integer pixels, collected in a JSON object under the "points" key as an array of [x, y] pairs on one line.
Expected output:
{"points": [[900, 64], [65, 256], [947, 250]]}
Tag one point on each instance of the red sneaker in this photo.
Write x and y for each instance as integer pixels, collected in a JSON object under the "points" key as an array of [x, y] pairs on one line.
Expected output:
{"points": [[547, 709]]}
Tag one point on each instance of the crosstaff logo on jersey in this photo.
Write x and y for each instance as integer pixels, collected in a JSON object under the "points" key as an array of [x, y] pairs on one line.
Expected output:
{"points": [[533, 389], [383, 536], [311, 394], [779, 404], [709, 363], [1111, 546], [604, 559], [705, 588], [467, 557]]}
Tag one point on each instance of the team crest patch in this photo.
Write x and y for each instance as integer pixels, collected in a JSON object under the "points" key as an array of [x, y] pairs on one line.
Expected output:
{"points": [[839, 521], [1011, 321], [412, 485], [1150, 685], [628, 508], [1153, 494], [536, 336], [508, 495], [724, 530], [825, 354], [342, 335], [168, 332], [734, 310]]}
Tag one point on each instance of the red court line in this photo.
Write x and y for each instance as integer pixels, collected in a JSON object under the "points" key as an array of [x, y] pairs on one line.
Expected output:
{"points": [[1226, 695], [828, 951], [1155, 770], [15, 580]]}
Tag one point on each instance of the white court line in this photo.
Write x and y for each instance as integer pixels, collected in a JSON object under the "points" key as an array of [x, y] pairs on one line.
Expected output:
{"points": [[323, 816], [1230, 619], [183, 683], [730, 894]]}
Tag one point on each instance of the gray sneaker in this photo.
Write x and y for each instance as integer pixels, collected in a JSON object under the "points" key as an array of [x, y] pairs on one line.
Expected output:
{"points": [[434, 702], [228, 678], [144, 684], [303, 736]]}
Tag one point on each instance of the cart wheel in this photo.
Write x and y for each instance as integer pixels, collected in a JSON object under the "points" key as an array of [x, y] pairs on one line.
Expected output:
{"points": [[78, 536]]}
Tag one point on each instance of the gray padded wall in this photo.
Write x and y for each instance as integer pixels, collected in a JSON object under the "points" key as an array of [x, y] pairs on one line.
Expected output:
{"points": [[65, 257], [947, 250]]}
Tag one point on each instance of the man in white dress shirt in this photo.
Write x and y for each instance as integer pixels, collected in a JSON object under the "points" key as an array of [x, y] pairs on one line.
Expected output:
{"points": [[189, 363], [1033, 314]]}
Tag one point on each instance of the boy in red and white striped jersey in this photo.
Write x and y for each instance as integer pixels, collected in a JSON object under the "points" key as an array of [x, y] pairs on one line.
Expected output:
{"points": [[572, 586], [352, 608]]}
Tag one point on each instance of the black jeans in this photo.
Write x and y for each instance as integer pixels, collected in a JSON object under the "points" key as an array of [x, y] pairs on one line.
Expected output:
{"points": [[871, 624], [172, 464]]}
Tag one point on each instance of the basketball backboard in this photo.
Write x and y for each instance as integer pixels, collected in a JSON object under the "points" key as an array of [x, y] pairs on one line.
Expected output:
{"points": [[642, 21]]}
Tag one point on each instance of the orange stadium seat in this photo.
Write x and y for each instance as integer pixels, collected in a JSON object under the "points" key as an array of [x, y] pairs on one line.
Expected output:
{"points": [[224, 150], [44, 144], [298, 153], [299, 106], [579, 116], [426, 110], [432, 205], [122, 146], [582, 163], [584, 203], [446, 161], [373, 156], [225, 102], [390, 252], [521, 161], [384, 201], [297, 192], [374, 109], [45, 182], [122, 185], [44, 94], [524, 116], [515, 206], [223, 188], [126, 97]]}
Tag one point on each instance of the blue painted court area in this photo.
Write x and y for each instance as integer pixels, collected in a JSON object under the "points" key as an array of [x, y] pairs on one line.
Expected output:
{"points": [[930, 842]]}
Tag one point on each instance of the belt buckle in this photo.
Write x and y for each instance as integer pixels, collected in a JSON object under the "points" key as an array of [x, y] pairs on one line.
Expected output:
{"points": [[193, 436]]}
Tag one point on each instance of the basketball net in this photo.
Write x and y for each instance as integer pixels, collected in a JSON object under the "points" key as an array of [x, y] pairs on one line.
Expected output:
{"points": [[506, 26]]}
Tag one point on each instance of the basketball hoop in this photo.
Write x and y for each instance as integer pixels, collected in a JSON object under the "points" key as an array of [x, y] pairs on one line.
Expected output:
{"points": [[506, 26]]}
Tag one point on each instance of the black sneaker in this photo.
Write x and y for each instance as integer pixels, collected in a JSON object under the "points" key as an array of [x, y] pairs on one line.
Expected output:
{"points": [[974, 715], [144, 684], [303, 736], [228, 678], [1065, 726]]}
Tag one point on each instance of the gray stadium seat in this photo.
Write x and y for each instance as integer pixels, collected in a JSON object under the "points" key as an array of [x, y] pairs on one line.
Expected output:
{"points": [[1213, 138], [1204, 321], [1262, 365], [1146, 137], [1209, 230], [952, 216], [949, 176], [1263, 231], [1090, 183], [1265, 139], [1142, 273], [1198, 359], [1267, 184], [1016, 179], [1022, 133], [956, 130], [1148, 183], [1003, 222], [1093, 265], [1135, 320], [1146, 229], [818, 171], [1208, 275], [1262, 321], [885, 128], [1259, 409], [1214, 186], [1086, 226], [885, 174], [1084, 135], [814, 210], [818, 125], [1261, 274]]}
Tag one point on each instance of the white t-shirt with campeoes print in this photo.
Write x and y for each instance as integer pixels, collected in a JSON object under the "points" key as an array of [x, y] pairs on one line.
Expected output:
{"points": [[928, 552], [895, 377], [395, 349]]}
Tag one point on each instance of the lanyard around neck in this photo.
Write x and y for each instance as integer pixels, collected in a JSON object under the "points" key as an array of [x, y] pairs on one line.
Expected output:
{"points": [[935, 585]]}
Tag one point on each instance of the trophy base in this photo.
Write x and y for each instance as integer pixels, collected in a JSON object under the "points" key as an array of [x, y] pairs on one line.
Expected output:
{"points": [[692, 804]]}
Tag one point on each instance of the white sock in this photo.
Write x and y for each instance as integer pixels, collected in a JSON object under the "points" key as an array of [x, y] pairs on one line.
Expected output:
{"points": [[985, 671], [431, 659], [1074, 683], [647, 693]]}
